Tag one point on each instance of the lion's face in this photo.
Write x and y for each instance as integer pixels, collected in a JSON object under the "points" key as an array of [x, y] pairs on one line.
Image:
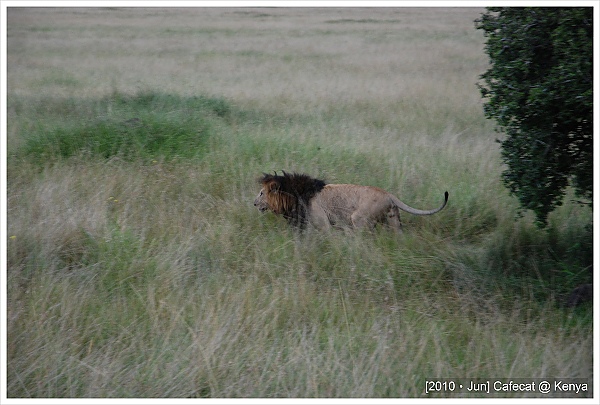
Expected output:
{"points": [[260, 201], [287, 195]]}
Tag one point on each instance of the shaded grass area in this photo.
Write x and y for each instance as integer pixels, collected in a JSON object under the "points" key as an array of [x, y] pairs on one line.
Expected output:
{"points": [[138, 267], [291, 316]]}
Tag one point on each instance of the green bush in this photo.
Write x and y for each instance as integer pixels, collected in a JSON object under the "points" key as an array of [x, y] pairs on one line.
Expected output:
{"points": [[539, 91]]}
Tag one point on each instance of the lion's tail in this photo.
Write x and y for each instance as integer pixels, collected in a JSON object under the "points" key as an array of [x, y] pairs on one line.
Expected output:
{"points": [[415, 211]]}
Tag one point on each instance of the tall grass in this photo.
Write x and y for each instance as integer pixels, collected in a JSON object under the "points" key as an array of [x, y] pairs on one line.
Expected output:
{"points": [[138, 267]]}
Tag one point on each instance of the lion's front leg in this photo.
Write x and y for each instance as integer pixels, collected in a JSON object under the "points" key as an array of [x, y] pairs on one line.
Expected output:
{"points": [[318, 217]]}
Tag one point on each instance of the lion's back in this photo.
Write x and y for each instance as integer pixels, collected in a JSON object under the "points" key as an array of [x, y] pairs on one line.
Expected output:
{"points": [[339, 201]]}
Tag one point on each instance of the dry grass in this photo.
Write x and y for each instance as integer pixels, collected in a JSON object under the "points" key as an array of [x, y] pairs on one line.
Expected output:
{"points": [[299, 59], [152, 275]]}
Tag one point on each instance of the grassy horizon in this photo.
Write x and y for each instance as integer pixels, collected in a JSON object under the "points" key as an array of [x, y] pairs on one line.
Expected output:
{"points": [[138, 267]]}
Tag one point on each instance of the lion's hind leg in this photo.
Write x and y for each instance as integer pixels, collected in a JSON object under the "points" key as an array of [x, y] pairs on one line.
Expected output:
{"points": [[393, 219], [360, 221]]}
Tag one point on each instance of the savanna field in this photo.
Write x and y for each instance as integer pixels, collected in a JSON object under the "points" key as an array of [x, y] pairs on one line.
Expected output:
{"points": [[137, 265]]}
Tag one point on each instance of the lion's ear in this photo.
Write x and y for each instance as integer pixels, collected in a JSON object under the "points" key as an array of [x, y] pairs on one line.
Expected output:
{"points": [[273, 186]]}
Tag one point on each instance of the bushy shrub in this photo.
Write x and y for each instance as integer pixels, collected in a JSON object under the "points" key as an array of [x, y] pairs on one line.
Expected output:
{"points": [[539, 91]]}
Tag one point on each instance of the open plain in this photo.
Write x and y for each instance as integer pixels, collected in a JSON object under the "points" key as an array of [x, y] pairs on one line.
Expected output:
{"points": [[138, 267]]}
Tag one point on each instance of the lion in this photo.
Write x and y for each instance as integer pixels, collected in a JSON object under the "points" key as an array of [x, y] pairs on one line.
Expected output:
{"points": [[303, 200]]}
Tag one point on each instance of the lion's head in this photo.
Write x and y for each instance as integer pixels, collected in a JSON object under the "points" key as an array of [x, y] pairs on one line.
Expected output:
{"points": [[287, 195]]}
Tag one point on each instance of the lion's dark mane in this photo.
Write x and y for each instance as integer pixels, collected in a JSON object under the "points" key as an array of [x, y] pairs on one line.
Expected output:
{"points": [[300, 188]]}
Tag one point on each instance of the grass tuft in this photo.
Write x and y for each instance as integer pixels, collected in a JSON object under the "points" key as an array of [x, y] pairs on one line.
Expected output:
{"points": [[146, 126]]}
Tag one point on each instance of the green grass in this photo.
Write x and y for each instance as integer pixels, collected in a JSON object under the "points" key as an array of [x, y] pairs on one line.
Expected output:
{"points": [[147, 125], [138, 267]]}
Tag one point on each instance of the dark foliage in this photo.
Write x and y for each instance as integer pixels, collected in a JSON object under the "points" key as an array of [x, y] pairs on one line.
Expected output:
{"points": [[539, 90]]}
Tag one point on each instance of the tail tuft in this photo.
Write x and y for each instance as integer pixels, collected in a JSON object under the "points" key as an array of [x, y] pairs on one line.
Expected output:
{"points": [[446, 196]]}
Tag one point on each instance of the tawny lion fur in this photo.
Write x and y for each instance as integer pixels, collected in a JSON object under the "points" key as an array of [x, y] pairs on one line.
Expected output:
{"points": [[304, 200]]}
